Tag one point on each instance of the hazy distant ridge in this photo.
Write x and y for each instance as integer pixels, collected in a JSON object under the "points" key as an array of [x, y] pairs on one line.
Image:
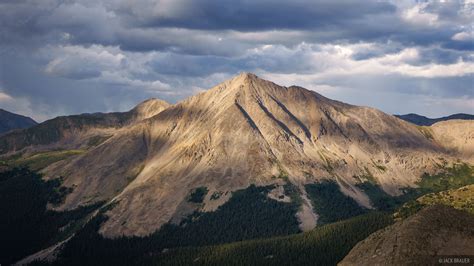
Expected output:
{"points": [[425, 121], [10, 121]]}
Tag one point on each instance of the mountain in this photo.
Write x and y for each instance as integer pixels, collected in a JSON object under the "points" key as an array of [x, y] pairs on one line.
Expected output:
{"points": [[435, 232], [246, 131], [76, 131], [247, 159], [425, 121], [10, 121]]}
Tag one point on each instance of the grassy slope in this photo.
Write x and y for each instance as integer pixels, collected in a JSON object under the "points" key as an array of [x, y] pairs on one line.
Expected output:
{"points": [[452, 177], [43, 159], [460, 198], [38, 160], [456, 176]]}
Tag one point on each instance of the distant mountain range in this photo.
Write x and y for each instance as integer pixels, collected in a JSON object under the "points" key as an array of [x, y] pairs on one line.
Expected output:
{"points": [[425, 121], [10, 121]]}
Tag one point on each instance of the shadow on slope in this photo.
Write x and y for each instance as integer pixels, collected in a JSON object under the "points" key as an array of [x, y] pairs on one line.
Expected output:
{"points": [[27, 225], [248, 214]]}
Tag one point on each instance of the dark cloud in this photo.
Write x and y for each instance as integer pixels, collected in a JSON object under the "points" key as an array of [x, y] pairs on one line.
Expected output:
{"points": [[185, 26], [438, 55], [451, 87], [69, 56], [262, 15], [377, 51]]}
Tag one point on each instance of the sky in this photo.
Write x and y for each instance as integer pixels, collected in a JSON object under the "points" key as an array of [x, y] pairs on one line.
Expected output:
{"points": [[60, 57]]}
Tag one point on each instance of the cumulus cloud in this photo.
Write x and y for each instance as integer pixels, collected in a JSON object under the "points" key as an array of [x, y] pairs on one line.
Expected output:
{"points": [[5, 97], [463, 36], [63, 57], [77, 62], [420, 16]]}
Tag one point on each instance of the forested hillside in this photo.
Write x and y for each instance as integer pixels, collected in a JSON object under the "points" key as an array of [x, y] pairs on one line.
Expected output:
{"points": [[324, 245], [27, 226], [250, 228]]}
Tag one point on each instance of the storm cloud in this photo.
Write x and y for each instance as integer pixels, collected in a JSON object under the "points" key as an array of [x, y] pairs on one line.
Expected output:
{"points": [[73, 56]]}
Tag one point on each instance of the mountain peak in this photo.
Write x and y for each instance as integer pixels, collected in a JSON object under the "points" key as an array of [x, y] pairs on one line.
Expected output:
{"points": [[247, 75], [251, 87], [150, 107], [151, 101], [245, 78], [244, 82], [247, 81]]}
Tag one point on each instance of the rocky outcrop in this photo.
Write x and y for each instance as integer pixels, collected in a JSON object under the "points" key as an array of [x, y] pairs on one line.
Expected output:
{"points": [[433, 233]]}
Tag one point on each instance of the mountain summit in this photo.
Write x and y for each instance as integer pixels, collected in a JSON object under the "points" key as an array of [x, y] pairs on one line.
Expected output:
{"points": [[244, 131], [148, 108]]}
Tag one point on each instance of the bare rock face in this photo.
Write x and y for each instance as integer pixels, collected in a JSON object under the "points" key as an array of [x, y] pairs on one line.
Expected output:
{"points": [[434, 231], [244, 131], [457, 136]]}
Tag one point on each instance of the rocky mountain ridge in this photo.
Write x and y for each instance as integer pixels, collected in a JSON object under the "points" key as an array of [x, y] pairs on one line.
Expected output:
{"points": [[76, 131], [435, 232], [246, 131]]}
